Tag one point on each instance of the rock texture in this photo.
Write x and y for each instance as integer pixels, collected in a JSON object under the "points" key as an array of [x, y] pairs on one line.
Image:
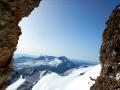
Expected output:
{"points": [[11, 12], [110, 55]]}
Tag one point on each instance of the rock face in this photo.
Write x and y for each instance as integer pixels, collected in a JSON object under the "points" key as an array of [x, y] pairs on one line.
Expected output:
{"points": [[11, 12], [110, 55]]}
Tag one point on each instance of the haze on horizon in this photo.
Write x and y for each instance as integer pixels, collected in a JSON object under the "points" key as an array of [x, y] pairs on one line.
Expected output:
{"points": [[71, 28]]}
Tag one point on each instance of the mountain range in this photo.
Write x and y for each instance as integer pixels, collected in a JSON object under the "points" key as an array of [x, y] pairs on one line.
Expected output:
{"points": [[51, 63], [81, 78], [30, 70]]}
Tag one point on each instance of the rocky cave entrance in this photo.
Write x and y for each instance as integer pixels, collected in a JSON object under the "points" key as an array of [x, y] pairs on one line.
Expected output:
{"points": [[11, 12]]}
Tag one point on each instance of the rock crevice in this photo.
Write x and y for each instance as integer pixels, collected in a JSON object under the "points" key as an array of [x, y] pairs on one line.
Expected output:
{"points": [[11, 12]]}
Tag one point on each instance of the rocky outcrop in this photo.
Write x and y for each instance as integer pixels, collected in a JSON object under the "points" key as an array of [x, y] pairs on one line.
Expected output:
{"points": [[11, 12], [110, 55]]}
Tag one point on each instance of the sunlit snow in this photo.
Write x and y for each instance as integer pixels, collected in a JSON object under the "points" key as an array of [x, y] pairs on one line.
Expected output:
{"points": [[78, 79], [15, 85]]}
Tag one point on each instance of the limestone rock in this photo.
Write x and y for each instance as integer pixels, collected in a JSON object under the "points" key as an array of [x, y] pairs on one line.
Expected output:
{"points": [[110, 55], [11, 12]]}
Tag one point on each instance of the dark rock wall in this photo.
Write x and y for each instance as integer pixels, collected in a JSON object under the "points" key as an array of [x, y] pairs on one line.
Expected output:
{"points": [[11, 12], [110, 55]]}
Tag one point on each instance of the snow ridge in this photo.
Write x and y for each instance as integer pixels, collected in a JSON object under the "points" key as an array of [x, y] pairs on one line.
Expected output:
{"points": [[77, 79]]}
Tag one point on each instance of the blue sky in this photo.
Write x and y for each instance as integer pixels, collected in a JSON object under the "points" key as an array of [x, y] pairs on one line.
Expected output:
{"points": [[72, 28]]}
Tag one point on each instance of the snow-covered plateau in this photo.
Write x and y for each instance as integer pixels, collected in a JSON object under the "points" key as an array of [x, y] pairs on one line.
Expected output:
{"points": [[75, 79]]}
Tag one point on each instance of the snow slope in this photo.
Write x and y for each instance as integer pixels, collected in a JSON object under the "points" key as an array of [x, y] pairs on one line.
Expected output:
{"points": [[78, 79], [15, 85]]}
